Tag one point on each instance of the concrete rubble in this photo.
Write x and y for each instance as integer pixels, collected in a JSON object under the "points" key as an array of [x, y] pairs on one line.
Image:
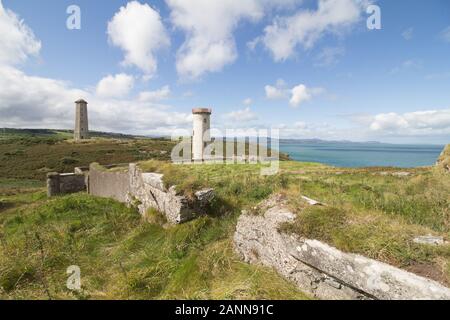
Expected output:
{"points": [[319, 269]]}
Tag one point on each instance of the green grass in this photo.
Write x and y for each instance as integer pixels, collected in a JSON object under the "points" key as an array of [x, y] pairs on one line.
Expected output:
{"points": [[123, 256], [378, 216]]}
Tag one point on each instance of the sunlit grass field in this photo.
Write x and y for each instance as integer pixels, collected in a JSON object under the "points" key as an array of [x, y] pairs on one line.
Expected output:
{"points": [[372, 211]]}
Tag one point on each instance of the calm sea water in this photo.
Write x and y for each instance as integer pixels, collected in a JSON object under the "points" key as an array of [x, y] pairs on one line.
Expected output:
{"points": [[362, 154]]}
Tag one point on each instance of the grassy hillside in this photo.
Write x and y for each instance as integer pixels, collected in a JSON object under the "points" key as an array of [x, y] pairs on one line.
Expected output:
{"points": [[31, 154], [120, 255], [375, 211]]}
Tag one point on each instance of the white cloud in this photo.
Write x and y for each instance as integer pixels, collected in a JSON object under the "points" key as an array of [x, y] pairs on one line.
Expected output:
{"points": [[445, 34], [115, 86], [154, 96], [298, 94], [248, 101], [301, 94], [36, 102], [138, 30], [26, 100], [18, 41], [408, 34], [278, 91], [209, 27], [419, 123], [274, 92], [306, 27], [243, 115]]}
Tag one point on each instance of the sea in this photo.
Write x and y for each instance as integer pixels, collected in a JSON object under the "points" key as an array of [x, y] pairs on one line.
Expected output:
{"points": [[355, 155]]}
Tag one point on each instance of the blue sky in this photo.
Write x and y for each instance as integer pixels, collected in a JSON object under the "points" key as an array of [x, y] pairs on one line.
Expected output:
{"points": [[311, 68]]}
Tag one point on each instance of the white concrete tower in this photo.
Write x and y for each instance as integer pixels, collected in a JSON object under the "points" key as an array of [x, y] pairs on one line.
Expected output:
{"points": [[201, 134], [81, 131]]}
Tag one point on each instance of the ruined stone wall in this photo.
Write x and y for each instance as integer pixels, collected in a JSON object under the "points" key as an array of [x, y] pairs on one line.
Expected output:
{"points": [[64, 183], [321, 270], [108, 184], [146, 190]]}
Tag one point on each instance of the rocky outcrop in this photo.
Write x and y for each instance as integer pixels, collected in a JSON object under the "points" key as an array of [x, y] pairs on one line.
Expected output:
{"points": [[319, 269]]}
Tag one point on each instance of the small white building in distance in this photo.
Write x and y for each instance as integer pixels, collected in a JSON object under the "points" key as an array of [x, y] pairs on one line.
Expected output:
{"points": [[201, 135], [81, 131]]}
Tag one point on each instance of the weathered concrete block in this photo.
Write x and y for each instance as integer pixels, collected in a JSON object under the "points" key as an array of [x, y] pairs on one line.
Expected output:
{"points": [[319, 269], [64, 183], [108, 184]]}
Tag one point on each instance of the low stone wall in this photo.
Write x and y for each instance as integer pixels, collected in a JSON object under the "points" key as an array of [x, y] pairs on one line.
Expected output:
{"points": [[145, 191], [64, 183], [321, 270], [108, 184]]}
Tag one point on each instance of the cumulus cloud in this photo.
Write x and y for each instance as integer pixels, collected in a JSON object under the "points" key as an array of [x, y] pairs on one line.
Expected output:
{"points": [[428, 123], [273, 92], [243, 115], [115, 86], [138, 30], [278, 91], [209, 26], [157, 95], [18, 40], [298, 94], [306, 27], [37, 102]]}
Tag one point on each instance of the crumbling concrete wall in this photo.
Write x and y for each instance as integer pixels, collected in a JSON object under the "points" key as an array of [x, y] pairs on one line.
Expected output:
{"points": [[64, 183], [108, 184], [319, 269], [145, 191]]}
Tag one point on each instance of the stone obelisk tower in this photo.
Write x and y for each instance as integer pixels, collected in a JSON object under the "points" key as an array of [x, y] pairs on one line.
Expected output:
{"points": [[201, 135], [81, 131]]}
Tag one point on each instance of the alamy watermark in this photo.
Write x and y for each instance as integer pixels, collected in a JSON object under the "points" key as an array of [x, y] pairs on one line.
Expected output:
{"points": [[374, 20], [73, 21], [232, 146], [74, 280]]}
